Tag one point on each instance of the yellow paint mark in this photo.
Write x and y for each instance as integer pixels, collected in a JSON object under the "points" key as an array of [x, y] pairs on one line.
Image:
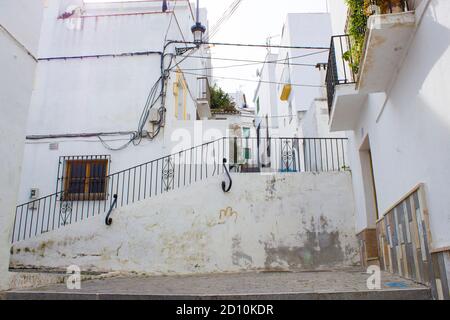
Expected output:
{"points": [[150, 227], [227, 213], [180, 83]]}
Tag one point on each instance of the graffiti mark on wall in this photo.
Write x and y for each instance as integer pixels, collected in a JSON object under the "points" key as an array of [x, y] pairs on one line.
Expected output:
{"points": [[227, 214]]}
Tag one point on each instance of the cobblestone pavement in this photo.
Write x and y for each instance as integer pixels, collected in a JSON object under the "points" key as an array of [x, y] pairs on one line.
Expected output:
{"points": [[349, 283]]}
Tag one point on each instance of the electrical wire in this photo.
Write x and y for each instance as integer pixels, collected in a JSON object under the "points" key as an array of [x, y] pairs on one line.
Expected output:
{"points": [[254, 62], [258, 61], [252, 45], [181, 61], [224, 18], [250, 64], [78, 135], [119, 148], [259, 81], [152, 99], [170, 21], [136, 137], [72, 140]]}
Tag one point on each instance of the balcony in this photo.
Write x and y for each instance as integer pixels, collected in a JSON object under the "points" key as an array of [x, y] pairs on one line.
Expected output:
{"points": [[361, 66], [203, 98], [341, 80], [387, 40]]}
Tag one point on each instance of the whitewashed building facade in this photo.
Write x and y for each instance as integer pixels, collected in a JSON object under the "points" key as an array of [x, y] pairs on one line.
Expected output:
{"points": [[395, 111], [97, 88], [19, 39], [291, 82], [290, 98], [155, 204], [299, 69]]}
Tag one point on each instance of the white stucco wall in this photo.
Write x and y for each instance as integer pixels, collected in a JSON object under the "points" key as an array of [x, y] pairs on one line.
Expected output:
{"points": [[308, 30], [107, 94], [265, 223], [23, 19], [315, 121], [19, 36], [410, 139], [338, 13], [266, 93]]}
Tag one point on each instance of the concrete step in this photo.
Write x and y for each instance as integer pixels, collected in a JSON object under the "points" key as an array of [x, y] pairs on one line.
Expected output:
{"points": [[413, 294], [326, 285]]}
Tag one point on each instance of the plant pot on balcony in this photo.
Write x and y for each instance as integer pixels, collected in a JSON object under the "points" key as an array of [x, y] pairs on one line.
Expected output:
{"points": [[383, 6], [396, 6], [391, 6]]}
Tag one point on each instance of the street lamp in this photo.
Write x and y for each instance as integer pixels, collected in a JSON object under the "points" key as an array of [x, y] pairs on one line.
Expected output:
{"points": [[198, 29]]}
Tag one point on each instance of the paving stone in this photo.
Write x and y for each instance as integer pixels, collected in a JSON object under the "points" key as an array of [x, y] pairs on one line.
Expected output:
{"points": [[334, 284]]}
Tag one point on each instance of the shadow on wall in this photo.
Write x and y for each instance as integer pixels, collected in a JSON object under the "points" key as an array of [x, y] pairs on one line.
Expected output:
{"points": [[321, 247], [434, 46], [418, 116]]}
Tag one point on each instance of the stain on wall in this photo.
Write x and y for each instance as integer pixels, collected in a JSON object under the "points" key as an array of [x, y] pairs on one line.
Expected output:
{"points": [[287, 221], [240, 258], [321, 248]]}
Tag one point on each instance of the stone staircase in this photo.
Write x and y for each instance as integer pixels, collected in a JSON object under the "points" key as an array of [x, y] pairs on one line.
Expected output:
{"points": [[341, 284]]}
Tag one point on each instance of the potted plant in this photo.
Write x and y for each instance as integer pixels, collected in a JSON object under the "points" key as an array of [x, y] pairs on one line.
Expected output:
{"points": [[396, 6], [385, 6]]}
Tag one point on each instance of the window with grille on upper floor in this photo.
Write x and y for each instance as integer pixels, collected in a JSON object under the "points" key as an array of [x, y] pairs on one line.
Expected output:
{"points": [[85, 179]]}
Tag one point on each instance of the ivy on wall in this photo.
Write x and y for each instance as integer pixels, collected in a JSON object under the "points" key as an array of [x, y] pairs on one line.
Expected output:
{"points": [[359, 12], [356, 28]]}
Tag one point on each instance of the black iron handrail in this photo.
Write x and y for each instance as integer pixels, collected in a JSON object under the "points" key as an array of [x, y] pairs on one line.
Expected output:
{"points": [[180, 169], [224, 185], [108, 219], [134, 184]]}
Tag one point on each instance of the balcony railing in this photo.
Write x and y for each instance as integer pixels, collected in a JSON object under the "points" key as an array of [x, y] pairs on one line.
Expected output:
{"points": [[340, 66], [347, 51], [176, 171]]}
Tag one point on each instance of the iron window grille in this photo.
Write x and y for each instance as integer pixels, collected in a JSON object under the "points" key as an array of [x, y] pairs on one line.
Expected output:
{"points": [[83, 178]]}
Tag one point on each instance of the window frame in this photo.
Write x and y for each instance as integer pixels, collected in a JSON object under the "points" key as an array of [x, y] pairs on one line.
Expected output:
{"points": [[86, 195]]}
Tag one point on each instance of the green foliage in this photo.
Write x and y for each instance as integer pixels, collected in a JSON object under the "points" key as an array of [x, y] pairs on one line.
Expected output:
{"points": [[357, 25], [359, 11], [220, 100]]}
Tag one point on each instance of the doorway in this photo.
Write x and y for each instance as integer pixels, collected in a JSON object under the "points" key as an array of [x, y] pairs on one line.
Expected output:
{"points": [[370, 190]]}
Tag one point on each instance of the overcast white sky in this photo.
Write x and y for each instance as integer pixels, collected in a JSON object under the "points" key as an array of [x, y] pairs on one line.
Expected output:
{"points": [[253, 22]]}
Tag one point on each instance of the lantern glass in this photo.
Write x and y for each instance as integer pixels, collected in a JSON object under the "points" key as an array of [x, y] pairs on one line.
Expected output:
{"points": [[198, 35], [198, 30]]}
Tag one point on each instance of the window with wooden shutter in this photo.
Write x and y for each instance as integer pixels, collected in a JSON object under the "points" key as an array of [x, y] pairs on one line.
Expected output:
{"points": [[85, 179]]}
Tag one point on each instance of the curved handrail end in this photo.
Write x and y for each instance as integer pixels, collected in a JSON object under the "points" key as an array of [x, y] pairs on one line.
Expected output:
{"points": [[108, 219], [224, 185]]}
